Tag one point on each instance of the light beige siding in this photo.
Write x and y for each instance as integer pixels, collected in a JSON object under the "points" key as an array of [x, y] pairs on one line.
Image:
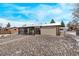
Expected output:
{"points": [[48, 31]]}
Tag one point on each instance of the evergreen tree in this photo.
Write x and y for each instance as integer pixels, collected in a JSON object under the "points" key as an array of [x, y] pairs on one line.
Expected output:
{"points": [[52, 21], [62, 24], [0, 25], [8, 25]]}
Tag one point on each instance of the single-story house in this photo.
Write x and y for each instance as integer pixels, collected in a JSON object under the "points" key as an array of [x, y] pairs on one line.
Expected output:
{"points": [[9, 30], [45, 29]]}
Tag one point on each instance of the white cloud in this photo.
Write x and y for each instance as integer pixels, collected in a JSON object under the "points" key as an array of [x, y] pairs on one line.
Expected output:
{"points": [[13, 23], [41, 13], [56, 11]]}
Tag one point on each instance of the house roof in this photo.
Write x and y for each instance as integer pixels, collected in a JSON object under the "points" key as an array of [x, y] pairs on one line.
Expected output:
{"points": [[9, 28], [51, 24]]}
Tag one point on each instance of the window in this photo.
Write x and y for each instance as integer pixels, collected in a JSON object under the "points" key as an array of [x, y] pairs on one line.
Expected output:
{"points": [[14, 29]]}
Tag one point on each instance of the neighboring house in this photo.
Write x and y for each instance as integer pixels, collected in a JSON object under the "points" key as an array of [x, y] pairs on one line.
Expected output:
{"points": [[45, 29], [72, 27], [9, 30]]}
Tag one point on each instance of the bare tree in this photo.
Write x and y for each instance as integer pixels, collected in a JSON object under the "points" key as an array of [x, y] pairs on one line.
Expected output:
{"points": [[76, 14], [75, 19]]}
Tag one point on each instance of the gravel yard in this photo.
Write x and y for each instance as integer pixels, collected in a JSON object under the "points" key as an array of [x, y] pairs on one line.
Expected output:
{"points": [[38, 45]]}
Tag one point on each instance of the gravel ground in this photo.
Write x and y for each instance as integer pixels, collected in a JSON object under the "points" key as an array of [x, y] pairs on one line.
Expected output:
{"points": [[38, 45]]}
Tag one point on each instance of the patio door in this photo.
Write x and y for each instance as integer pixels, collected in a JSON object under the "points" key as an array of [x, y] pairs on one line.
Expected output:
{"points": [[21, 31], [31, 31]]}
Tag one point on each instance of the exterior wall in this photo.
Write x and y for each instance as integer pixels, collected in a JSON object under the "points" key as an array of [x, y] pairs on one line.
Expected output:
{"points": [[62, 31], [15, 30], [9, 31], [37, 30], [52, 30], [48, 31], [62, 28], [5, 31]]}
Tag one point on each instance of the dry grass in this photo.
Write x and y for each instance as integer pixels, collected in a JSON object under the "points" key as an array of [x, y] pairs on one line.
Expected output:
{"points": [[39, 45]]}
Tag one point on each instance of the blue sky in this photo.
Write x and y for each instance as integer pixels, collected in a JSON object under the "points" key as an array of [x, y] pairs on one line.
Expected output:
{"points": [[34, 13]]}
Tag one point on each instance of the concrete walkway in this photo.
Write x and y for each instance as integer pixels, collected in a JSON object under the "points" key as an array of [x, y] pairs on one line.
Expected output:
{"points": [[75, 37], [71, 33]]}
